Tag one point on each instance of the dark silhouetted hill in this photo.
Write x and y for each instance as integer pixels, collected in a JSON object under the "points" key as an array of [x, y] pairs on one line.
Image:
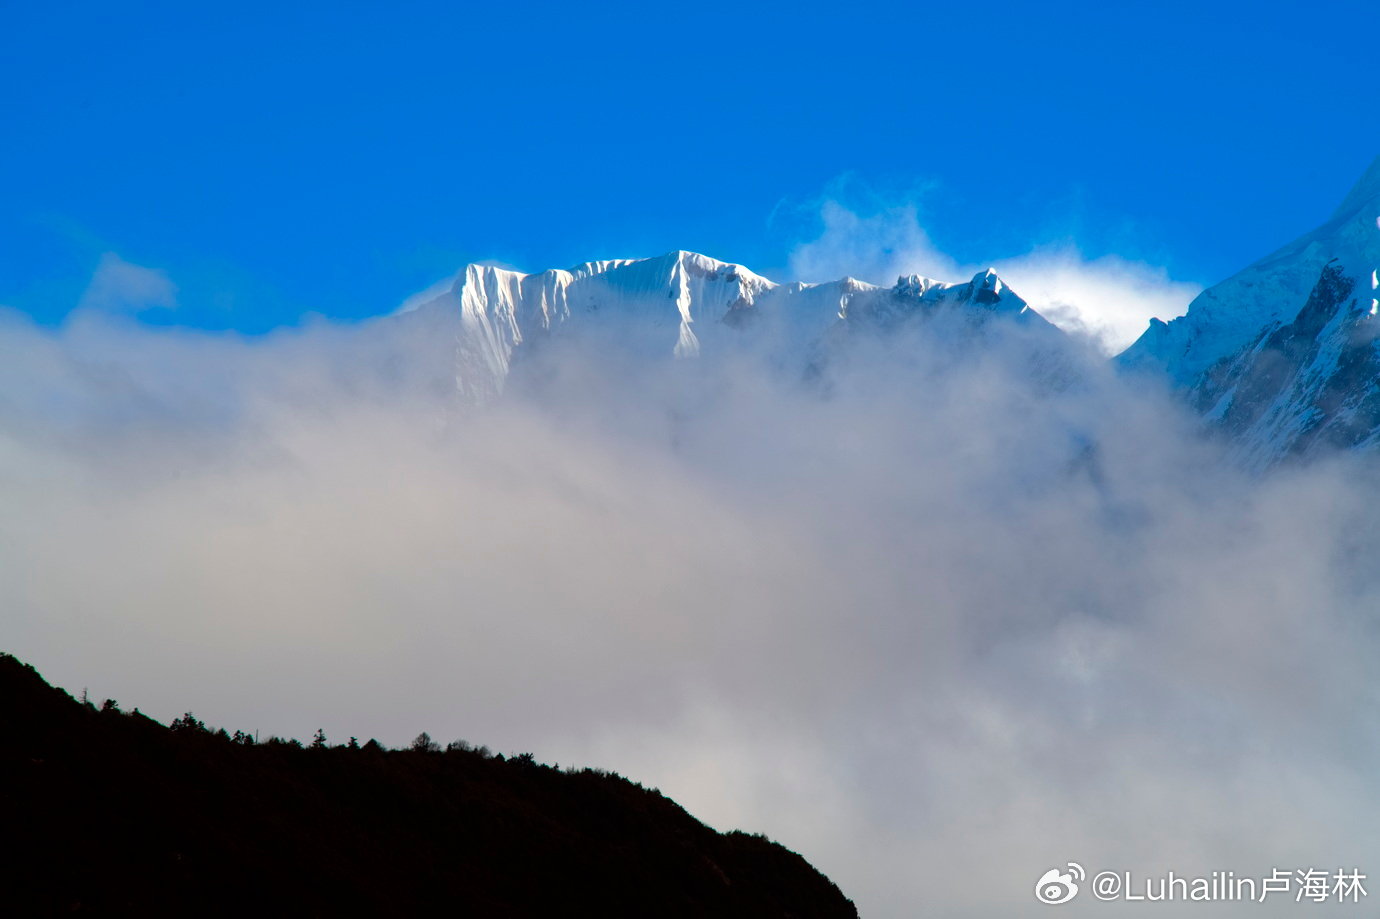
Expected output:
{"points": [[112, 813]]}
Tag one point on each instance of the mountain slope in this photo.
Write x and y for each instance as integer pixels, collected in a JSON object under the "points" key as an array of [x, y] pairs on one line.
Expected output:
{"points": [[112, 813], [1282, 355]]}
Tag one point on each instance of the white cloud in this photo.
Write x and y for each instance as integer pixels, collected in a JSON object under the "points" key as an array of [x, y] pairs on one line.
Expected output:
{"points": [[118, 286], [1109, 298], [877, 247]]}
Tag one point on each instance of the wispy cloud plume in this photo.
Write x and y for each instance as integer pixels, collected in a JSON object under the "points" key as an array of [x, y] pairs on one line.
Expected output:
{"points": [[1108, 298], [119, 286]]}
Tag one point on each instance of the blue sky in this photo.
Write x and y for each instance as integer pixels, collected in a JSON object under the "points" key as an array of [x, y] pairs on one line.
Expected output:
{"points": [[279, 159]]}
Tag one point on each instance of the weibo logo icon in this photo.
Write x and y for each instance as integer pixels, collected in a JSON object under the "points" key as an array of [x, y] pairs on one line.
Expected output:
{"points": [[1055, 886]]}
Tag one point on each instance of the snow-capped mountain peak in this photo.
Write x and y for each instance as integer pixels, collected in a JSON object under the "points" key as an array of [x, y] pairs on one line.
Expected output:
{"points": [[1283, 354], [677, 304], [1228, 316]]}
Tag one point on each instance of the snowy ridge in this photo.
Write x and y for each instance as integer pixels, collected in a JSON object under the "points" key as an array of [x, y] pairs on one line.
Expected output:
{"points": [[1229, 316], [1283, 355], [679, 305], [985, 294]]}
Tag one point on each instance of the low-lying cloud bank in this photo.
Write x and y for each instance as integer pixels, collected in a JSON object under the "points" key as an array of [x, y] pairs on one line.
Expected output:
{"points": [[936, 626]]}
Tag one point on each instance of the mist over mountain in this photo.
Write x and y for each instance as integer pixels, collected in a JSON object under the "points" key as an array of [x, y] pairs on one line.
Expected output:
{"points": [[1279, 357], [901, 574]]}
